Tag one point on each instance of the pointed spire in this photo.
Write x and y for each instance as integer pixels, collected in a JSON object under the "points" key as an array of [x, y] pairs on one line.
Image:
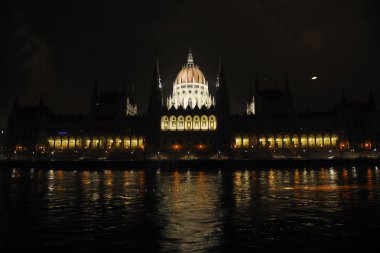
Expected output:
{"points": [[250, 94], [190, 59], [157, 77], [132, 96], [220, 71], [155, 99]]}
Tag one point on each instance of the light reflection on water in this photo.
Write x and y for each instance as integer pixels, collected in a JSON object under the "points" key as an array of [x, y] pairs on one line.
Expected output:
{"points": [[188, 211]]}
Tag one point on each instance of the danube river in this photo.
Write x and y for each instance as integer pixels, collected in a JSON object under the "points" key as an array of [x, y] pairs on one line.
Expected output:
{"points": [[304, 209]]}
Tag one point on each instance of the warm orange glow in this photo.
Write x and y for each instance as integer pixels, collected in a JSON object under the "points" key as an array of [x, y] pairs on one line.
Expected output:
{"points": [[200, 146], [176, 147], [344, 145]]}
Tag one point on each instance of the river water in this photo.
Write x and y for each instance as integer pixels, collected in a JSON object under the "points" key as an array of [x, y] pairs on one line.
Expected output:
{"points": [[271, 210]]}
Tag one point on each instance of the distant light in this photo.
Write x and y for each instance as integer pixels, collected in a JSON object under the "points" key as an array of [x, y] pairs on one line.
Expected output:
{"points": [[62, 133], [2, 131], [314, 78]]}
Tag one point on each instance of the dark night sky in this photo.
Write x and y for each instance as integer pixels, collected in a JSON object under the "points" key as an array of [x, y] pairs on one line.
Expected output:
{"points": [[59, 48]]}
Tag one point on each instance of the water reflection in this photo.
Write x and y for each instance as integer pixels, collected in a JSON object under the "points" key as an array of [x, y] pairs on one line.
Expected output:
{"points": [[182, 211]]}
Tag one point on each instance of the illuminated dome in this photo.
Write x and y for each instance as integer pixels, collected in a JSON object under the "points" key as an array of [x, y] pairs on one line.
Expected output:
{"points": [[190, 88], [190, 74]]}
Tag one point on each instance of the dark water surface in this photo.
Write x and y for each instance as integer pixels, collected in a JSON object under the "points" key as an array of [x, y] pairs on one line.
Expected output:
{"points": [[271, 210]]}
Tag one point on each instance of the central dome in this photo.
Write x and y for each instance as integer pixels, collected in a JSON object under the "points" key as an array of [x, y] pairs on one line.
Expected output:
{"points": [[190, 88], [190, 73]]}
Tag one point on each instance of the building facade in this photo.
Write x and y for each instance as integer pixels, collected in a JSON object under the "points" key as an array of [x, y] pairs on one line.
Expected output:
{"points": [[192, 123]]}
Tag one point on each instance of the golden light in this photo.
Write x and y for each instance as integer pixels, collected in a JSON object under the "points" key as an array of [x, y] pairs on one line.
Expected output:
{"points": [[176, 147]]}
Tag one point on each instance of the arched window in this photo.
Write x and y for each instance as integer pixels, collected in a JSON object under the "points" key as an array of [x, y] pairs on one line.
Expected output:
{"points": [[334, 140], [212, 122], [127, 142], [87, 142], [319, 141], [134, 142], [78, 142], [58, 142], [188, 123], [65, 142], [279, 141], [271, 141], [204, 123], [304, 141], [72, 143], [94, 143], [51, 142], [141, 142], [245, 141], [164, 123], [295, 141], [326, 140], [102, 142], [286, 142], [312, 141], [117, 142], [181, 123], [109, 142], [196, 123], [238, 141], [173, 123], [262, 141]]}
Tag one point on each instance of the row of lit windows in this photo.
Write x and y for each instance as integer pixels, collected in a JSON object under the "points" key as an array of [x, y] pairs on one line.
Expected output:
{"points": [[191, 86], [196, 92], [188, 123], [287, 141], [96, 143]]}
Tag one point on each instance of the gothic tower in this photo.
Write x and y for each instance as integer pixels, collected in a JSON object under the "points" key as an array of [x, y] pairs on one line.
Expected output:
{"points": [[154, 111], [222, 109]]}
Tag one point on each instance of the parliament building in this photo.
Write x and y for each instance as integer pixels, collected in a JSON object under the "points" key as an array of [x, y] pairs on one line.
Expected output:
{"points": [[193, 123]]}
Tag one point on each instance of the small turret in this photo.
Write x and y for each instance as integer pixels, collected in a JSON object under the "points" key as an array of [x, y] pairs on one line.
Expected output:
{"points": [[251, 101]]}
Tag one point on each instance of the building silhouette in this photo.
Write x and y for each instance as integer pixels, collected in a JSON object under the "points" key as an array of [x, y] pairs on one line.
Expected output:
{"points": [[192, 123]]}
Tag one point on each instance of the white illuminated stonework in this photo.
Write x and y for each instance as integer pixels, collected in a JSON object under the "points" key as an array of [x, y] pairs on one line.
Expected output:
{"points": [[251, 107], [190, 89], [131, 109], [188, 123]]}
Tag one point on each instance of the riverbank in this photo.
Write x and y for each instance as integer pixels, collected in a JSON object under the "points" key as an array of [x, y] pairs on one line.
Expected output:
{"points": [[194, 164]]}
